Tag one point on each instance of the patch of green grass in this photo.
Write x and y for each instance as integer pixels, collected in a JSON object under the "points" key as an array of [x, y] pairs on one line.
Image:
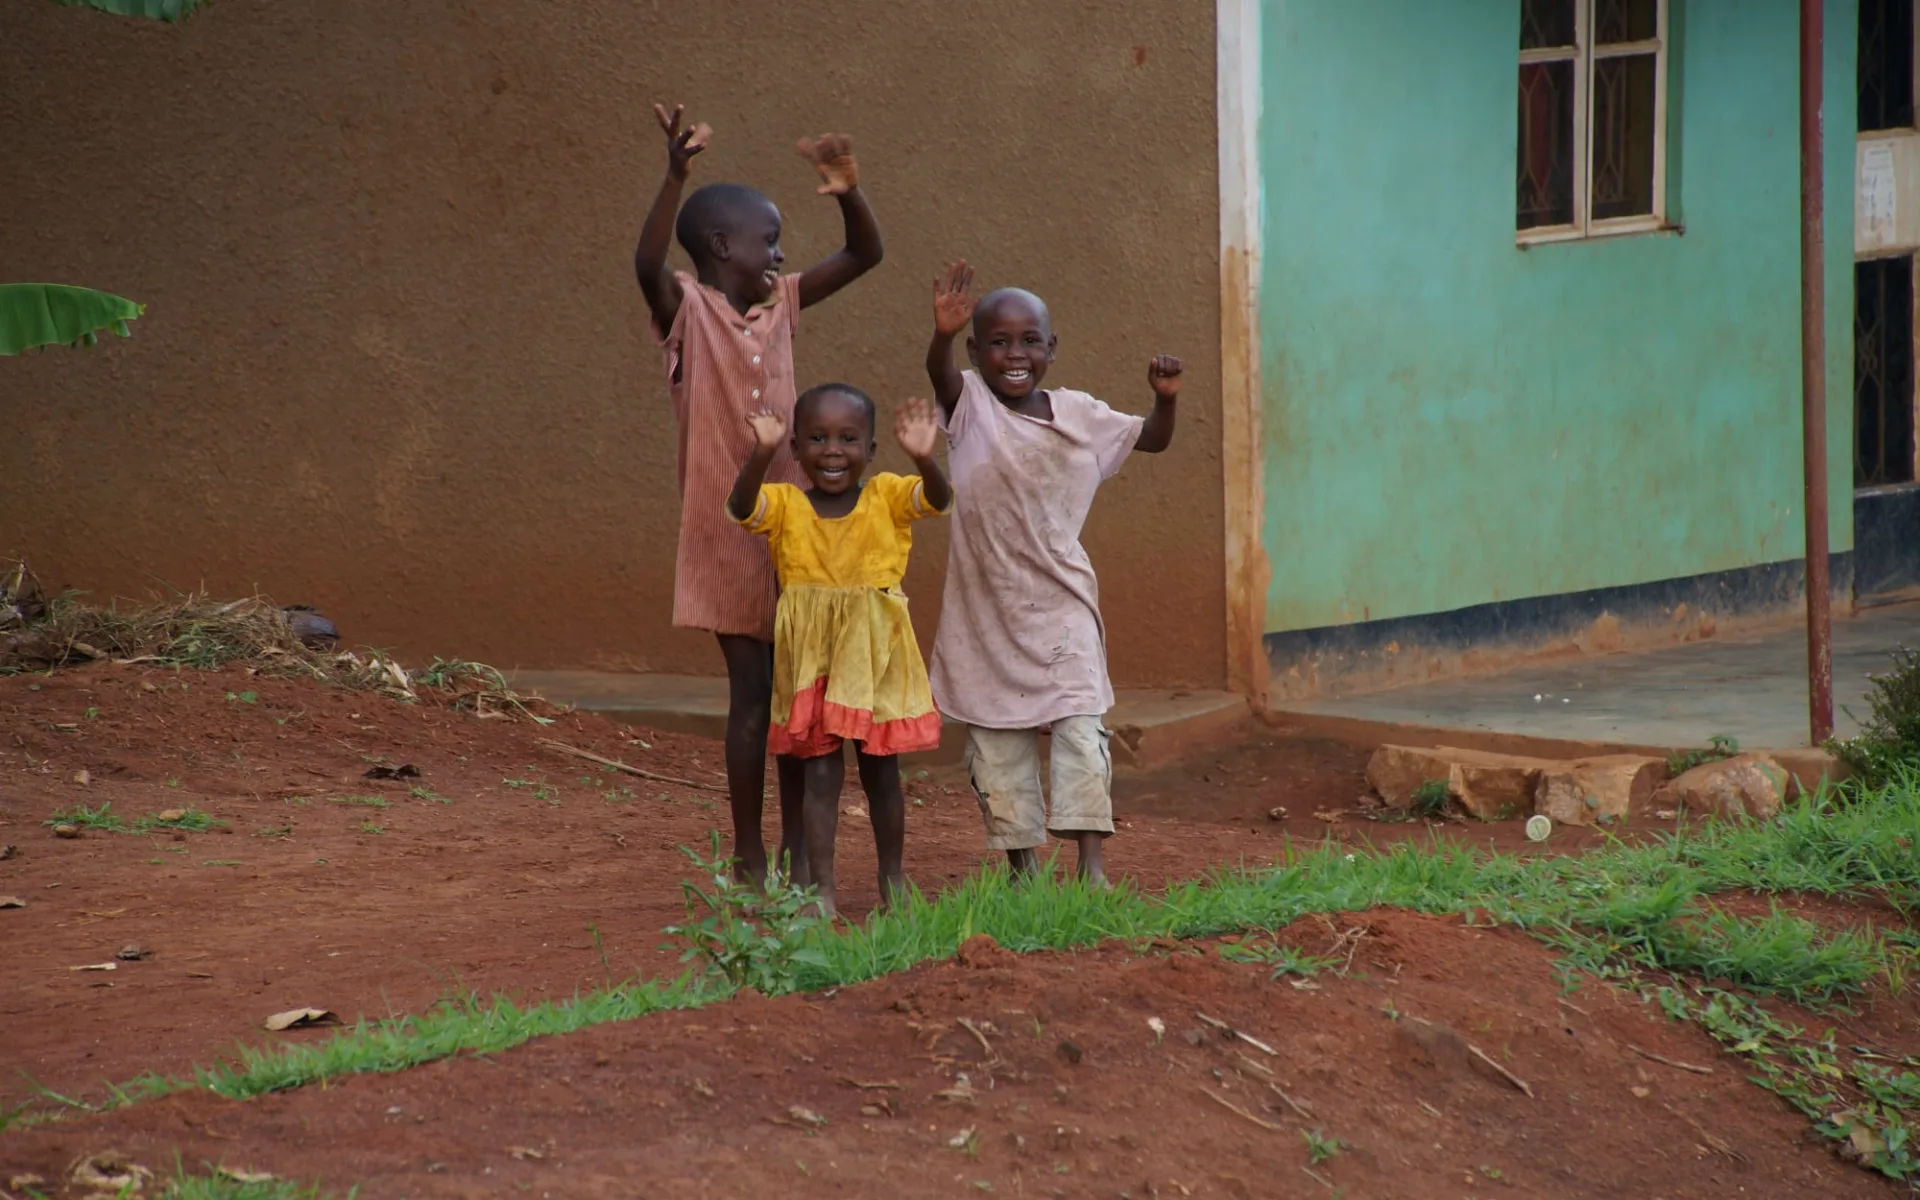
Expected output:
{"points": [[371, 827], [1285, 960], [243, 697], [363, 801], [191, 819], [102, 818], [274, 831], [221, 862], [221, 1184], [1624, 912], [423, 793]]}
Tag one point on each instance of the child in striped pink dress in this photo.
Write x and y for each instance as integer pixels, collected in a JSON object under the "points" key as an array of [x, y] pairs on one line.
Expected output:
{"points": [[727, 330]]}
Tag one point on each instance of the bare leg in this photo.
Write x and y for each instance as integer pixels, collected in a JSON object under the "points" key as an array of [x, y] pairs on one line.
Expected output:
{"points": [[1023, 864], [793, 829], [887, 808], [825, 776], [1093, 867], [749, 711]]}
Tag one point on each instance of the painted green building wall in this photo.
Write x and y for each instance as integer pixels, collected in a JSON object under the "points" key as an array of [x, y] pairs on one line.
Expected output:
{"points": [[1451, 421]]}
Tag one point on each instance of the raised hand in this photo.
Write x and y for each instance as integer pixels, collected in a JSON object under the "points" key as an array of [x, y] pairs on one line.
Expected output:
{"points": [[916, 429], [832, 155], [1164, 374], [769, 428], [952, 305], [682, 145]]}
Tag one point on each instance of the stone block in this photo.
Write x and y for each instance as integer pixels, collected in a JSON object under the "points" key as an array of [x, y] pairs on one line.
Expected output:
{"points": [[1592, 790], [1396, 771], [1746, 785]]}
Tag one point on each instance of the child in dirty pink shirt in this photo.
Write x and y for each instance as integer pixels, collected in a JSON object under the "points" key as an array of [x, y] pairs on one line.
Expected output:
{"points": [[727, 328], [1021, 646]]}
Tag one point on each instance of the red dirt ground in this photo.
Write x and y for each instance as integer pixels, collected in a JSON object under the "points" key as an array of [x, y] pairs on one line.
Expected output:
{"points": [[297, 902]]}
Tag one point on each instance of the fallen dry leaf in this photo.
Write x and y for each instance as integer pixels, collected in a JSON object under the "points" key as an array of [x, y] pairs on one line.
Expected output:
{"points": [[171, 814], [524, 1153], [110, 1171], [855, 811], [298, 1018], [243, 1176], [806, 1116], [105, 966], [82, 778], [12, 902], [66, 831]]}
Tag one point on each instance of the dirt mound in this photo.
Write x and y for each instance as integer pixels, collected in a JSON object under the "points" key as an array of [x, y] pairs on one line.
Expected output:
{"points": [[1104, 1073]]}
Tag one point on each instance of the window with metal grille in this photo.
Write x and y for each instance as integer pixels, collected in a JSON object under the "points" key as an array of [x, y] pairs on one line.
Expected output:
{"points": [[1885, 80], [1592, 128], [1883, 371]]}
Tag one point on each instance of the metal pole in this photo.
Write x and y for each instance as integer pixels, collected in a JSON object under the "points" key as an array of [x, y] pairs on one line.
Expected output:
{"points": [[1813, 378]]}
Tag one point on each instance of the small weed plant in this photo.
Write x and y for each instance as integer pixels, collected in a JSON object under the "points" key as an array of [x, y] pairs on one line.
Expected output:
{"points": [[1718, 746], [746, 937], [1429, 800], [1888, 747], [1320, 1147]]}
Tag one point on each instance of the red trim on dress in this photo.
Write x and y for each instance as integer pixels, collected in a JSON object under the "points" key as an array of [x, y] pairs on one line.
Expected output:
{"points": [[816, 727]]}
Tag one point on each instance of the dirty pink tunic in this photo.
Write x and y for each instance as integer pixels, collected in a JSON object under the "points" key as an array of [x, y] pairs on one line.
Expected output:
{"points": [[720, 367], [1021, 643]]}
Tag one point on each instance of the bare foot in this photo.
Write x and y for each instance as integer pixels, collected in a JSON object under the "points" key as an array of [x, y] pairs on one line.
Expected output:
{"points": [[893, 890], [829, 911], [1092, 868], [742, 873]]}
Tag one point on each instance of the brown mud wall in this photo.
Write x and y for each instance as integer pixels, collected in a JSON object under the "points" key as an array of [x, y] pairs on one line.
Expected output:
{"points": [[395, 363]]}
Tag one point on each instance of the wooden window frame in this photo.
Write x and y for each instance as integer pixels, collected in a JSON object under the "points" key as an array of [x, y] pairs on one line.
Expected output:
{"points": [[1582, 55]]}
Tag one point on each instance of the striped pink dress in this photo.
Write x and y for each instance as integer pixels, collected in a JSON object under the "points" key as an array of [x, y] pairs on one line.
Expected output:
{"points": [[720, 367]]}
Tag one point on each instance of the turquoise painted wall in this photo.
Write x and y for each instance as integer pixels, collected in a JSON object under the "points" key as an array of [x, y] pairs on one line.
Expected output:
{"points": [[1450, 420]]}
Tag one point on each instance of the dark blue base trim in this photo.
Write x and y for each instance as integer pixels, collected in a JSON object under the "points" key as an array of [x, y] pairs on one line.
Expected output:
{"points": [[1309, 662], [1886, 541]]}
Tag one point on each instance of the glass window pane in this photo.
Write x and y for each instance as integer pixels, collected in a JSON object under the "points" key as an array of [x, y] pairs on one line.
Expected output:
{"points": [[1626, 21], [1546, 145], [1545, 24], [1623, 136]]}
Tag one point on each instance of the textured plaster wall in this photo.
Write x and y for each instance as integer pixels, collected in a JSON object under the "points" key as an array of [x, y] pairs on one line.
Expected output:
{"points": [[395, 364], [1452, 421]]}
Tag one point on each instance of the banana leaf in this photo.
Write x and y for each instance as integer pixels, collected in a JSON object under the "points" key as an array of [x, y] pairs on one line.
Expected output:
{"points": [[159, 10], [53, 314]]}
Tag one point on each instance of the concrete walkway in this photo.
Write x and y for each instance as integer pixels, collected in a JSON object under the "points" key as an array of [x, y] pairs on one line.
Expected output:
{"points": [[1150, 727], [1753, 689]]}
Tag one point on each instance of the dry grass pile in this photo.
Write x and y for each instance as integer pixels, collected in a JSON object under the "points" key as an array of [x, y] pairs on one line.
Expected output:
{"points": [[192, 630]]}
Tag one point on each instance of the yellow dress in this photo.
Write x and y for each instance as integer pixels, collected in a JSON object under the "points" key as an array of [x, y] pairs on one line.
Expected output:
{"points": [[845, 662]]}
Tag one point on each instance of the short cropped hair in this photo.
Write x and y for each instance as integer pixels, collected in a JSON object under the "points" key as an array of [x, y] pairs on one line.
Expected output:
{"points": [[714, 208], [815, 394]]}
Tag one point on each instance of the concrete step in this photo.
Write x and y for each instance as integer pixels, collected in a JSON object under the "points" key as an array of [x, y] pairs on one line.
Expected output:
{"points": [[1151, 728]]}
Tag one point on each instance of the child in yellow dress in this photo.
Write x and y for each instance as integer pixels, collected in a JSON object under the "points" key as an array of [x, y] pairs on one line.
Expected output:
{"points": [[846, 666]]}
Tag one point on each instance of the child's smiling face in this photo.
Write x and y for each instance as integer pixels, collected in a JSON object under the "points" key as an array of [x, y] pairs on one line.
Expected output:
{"points": [[750, 253], [1012, 344], [833, 440]]}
